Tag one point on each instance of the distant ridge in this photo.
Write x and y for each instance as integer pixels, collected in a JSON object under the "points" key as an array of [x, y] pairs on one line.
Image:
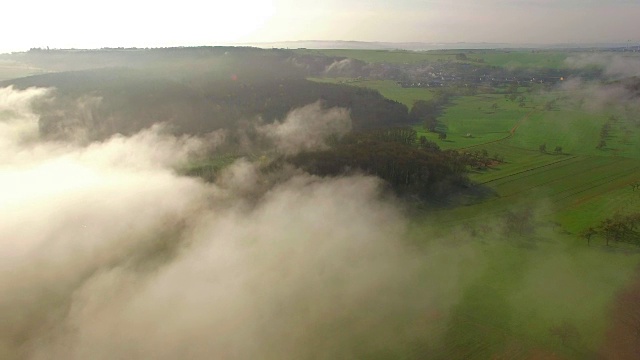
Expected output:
{"points": [[367, 45], [421, 46]]}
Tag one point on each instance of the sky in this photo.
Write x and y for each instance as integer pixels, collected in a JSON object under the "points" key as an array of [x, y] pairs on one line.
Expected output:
{"points": [[144, 23]]}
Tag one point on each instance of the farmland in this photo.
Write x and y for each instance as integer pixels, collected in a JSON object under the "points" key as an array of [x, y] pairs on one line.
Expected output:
{"points": [[541, 280], [387, 88], [384, 56], [506, 58]]}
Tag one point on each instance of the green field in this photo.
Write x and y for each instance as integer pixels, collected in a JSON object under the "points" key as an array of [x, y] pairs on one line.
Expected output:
{"points": [[523, 286], [474, 120], [573, 182], [529, 284], [533, 282], [387, 88], [519, 295], [384, 56], [502, 58], [525, 58], [495, 263], [569, 182], [499, 293]]}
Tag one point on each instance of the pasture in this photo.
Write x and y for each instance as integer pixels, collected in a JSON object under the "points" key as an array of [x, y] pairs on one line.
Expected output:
{"points": [[511, 291], [523, 287], [513, 58], [387, 88], [525, 58], [546, 277], [546, 280], [507, 272], [470, 121], [572, 177], [384, 56]]}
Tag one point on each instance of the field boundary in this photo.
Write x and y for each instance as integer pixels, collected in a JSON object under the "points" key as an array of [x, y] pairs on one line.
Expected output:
{"points": [[531, 169], [511, 132]]}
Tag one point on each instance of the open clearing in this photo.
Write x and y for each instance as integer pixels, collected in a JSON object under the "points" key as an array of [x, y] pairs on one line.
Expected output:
{"points": [[387, 88]]}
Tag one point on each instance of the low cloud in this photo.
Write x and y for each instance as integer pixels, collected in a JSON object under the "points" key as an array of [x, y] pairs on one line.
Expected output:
{"points": [[17, 122], [596, 96], [307, 128], [108, 253], [344, 67], [614, 65]]}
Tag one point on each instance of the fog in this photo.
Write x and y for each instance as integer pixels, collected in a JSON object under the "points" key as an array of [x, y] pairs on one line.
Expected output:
{"points": [[307, 128], [614, 65], [593, 96], [619, 92], [107, 252]]}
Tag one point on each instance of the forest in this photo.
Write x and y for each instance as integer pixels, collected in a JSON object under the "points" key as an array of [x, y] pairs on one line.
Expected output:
{"points": [[232, 85]]}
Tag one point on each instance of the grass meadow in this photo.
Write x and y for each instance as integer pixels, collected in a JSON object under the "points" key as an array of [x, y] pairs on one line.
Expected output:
{"points": [[523, 286], [523, 58], [387, 88]]}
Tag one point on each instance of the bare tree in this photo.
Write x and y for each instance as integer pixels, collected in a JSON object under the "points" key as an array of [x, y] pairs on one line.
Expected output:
{"points": [[588, 234]]}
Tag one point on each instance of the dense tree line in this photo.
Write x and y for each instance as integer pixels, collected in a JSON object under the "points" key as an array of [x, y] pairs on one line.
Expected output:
{"points": [[183, 60], [395, 155], [103, 102], [480, 159], [617, 229]]}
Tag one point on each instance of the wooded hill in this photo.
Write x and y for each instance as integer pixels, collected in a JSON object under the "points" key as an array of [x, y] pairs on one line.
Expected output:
{"points": [[194, 90], [411, 166]]}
